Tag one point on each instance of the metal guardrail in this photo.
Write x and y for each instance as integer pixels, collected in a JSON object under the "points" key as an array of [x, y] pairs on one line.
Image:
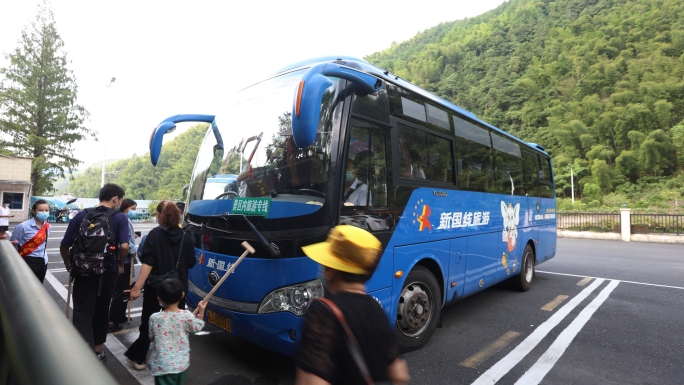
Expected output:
{"points": [[657, 224], [605, 223], [38, 344]]}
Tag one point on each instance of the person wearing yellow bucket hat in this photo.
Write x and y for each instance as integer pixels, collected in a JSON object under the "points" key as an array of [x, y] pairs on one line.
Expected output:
{"points": [[349, 257]]}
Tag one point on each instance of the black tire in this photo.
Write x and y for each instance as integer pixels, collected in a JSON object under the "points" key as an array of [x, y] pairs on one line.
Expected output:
{"points": [[523, 281], [416, 324]]}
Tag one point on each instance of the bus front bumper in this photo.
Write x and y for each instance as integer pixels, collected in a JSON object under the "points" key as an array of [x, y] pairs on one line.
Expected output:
{"points": [[278, 332]]}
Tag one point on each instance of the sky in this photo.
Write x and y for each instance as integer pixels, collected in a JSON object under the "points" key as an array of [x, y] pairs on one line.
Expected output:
{"points": [[173, 57]]}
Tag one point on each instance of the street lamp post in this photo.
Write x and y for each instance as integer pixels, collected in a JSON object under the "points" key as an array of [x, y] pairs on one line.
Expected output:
{"points": [[104, 142]]}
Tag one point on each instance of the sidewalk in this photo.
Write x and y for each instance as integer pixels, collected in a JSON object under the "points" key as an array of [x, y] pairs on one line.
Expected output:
{"points": [[652, 238]]}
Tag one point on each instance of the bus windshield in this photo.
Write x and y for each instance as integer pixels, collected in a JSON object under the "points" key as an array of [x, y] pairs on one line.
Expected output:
{"points": [[260, 158]]}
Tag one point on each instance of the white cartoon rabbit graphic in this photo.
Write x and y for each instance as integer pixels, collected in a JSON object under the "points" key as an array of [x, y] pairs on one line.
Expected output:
{"points": [[511, 218]]}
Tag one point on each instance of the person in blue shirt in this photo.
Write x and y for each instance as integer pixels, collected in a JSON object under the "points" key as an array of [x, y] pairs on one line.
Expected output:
{"points": [[92, 294], [30, 238], [117, 311]]}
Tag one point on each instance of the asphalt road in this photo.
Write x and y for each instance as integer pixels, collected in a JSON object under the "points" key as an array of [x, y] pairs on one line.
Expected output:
{"points": [[600, 312]]}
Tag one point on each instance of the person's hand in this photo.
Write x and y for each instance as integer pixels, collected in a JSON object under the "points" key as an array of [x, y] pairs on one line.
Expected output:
{"points": [[121, 270], [11, 216], [202, 305], [15, 242], [398, 372], [136, 236], [67, 266], [134, 292]]}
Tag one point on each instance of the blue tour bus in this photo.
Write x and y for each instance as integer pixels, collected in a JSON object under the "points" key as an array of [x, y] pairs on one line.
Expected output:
{"points": [[458, 204]]}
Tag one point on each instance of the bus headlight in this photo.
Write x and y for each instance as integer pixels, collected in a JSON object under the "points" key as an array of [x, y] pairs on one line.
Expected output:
{"points": [[295, 299]]}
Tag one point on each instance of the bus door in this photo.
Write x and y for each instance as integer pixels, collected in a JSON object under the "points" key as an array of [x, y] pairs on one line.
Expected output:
{"points": [[365, 186], [529, 226]]}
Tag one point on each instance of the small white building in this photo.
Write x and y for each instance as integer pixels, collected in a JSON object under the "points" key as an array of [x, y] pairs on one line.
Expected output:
{"points": [[15, 185]]}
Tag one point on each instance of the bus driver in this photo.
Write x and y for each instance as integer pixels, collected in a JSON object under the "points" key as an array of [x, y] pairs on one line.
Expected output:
{"points": [[355, 191]]}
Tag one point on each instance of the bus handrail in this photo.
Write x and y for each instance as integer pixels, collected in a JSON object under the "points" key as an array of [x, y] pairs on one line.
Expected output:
{"points": [[38, 344]]}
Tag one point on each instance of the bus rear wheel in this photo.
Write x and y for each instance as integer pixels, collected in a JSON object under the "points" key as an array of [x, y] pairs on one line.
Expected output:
{"points": [[523, 281], [418, 309]]}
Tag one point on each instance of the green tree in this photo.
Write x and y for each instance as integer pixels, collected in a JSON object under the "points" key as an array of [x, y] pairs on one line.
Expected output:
{"points": [[655, 151], [602, 175], [678, 141], [38, 103], [591, 192], [628, 165]]}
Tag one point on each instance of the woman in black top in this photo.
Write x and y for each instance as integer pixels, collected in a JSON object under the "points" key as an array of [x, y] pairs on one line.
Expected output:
{"points": [[159, 256], [348, 256]]}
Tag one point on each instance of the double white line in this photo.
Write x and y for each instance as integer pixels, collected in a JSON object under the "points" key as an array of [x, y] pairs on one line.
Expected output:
{"points": [[537, 372]]}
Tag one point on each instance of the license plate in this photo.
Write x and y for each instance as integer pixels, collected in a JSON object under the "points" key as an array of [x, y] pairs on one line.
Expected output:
{"points": [[219, 320]]}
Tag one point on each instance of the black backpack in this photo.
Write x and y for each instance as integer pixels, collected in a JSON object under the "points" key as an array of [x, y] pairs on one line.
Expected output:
{"points": [[94, 250]]}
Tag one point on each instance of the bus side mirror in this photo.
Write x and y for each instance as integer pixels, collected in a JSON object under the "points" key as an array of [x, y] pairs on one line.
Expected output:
{"points": [[306, 109], [157, 137], [169, 125]]}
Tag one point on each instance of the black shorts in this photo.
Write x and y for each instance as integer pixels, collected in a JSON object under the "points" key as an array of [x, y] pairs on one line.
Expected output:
{"points": [[4, 228]]}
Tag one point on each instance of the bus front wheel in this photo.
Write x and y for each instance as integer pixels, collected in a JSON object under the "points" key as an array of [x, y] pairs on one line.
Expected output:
{"points": [[523, 281], [418, 309]]}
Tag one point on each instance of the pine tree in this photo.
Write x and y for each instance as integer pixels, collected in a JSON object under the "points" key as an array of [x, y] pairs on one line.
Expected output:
{"points": [[38, 109]]}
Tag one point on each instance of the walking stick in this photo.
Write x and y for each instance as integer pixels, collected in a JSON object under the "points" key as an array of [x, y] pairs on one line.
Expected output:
{"points": [[250, 250], [130, 279], [71, 281]]}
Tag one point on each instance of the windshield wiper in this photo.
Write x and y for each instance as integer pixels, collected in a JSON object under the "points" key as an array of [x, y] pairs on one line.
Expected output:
{"points": [[270, 247], [194, 227]]}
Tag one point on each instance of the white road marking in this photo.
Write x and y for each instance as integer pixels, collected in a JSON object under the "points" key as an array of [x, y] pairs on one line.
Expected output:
{"points": [[118, 349], [59, 288], [501, 368], [612, 279], [537, 372], [113, 344]]}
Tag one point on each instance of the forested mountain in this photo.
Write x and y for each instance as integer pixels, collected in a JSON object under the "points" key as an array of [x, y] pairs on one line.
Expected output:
{"points": [[599, 83], [139, 178]]}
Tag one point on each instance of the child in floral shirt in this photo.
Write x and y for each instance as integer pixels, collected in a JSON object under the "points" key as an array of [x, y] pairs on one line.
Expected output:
{"points": [[170, 358]]}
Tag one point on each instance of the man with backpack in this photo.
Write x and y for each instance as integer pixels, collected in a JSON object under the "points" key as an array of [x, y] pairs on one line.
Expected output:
{"points": [[94, 249]]}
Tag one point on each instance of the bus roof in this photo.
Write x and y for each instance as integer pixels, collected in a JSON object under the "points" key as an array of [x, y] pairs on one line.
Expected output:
{"points": [[360, 64]]}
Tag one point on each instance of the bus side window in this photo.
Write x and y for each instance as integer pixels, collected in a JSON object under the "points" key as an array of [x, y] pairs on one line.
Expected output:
{"points": [[546, 185], [413, 153], [423, 155], [378, 174], [508, 164], [473, 152], [531, 173], [365, 183]]}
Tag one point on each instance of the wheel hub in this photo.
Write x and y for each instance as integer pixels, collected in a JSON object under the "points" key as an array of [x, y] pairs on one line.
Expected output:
{"points": [[529, 269], [414, 311]]}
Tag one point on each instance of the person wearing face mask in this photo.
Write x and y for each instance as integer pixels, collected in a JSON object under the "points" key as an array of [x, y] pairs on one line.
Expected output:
{"points": [[92, 292], [355, 191], [30, 238], [5, 214], [117, 310]]}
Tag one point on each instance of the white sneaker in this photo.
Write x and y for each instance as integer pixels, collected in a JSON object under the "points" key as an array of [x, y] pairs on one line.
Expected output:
{"points": [[136, 365]]}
